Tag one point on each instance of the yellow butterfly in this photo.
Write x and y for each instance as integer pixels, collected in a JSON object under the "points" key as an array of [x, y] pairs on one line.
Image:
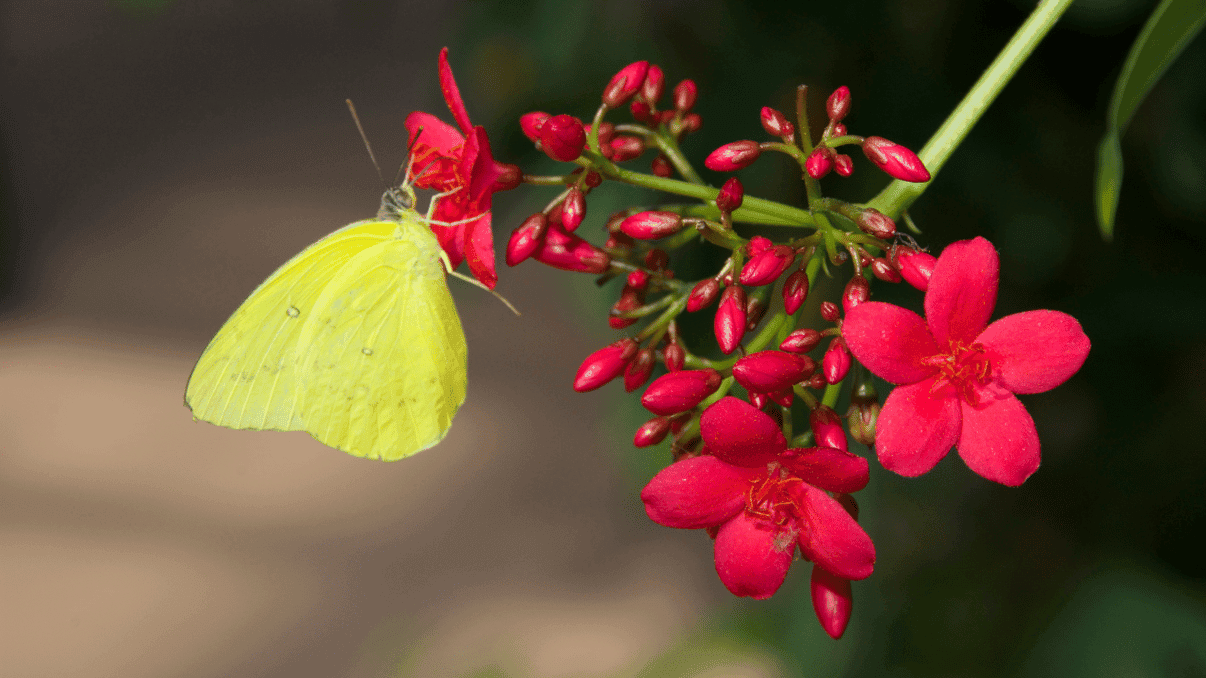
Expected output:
{"points": [[356, 341]]}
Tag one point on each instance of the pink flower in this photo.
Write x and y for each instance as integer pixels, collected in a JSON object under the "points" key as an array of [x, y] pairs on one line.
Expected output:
{"points": [[446, 159], [763, 500], [957, 378]]}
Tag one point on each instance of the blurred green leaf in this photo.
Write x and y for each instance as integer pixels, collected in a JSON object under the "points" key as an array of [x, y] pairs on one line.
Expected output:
{"points": [[1172, 26]]}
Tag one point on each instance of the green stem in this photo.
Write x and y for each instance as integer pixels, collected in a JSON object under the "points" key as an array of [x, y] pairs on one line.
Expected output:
{"points": [[898, 195]]}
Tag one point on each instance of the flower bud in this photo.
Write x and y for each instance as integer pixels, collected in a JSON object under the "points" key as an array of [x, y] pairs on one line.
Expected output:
{"points": [[655, 82], [652, 432], [680, 391], [839, 130], [836, 361], [755, 308], [657, 260], [593, 179], [624, 84], [573, 209], [801, 341], [730, 196], [832, 601], [685, 93], [674, 356], [838, 104], [827, 428], [875, 223], [526, 239], [733, 156], [830, 311], [606, 132], [638, 371], [757, 245], [692, 122], [843, 165], [625, 147], [765, 267], [638, 279], [864, 413], [641, 111], [776, 124], [604, 365], [783, 397], [795, 291], [630, 298], [857, 291], [703, 294], [819, 162], [884, 270], [817, 381], [531, 123], [771, 371], [562, 137], [729, 323], [896, 160], [914, 266], [661, 167], [652, 225], [568, 252]]}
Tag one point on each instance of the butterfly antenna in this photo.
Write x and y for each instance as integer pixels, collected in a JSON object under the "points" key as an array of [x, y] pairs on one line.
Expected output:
{"points": [[364, 137]]}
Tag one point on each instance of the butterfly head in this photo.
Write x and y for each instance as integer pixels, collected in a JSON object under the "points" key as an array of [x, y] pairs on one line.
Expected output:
{"points": [[396, 202]]}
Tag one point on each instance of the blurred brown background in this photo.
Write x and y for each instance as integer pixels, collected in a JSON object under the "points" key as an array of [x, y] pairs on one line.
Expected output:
{"points": [[161, 157]]}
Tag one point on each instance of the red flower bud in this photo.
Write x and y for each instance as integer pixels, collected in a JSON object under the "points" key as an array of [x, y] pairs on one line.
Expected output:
{"points": [[638, 371], [801, 341], [624, 84], [641, 111], [674, 356], [839, 130], [606, 132], [827, 428], [562, 137], [657, 260], [685, 93], [573, 210], [755, 308], [817, 381], [652, 225], [765, 267], [630, 298], [526, 239], [638, 279], [838, 104], [830, 311], [531, 123], [604, 365], [896, 160], [568, 252], [832, 601], [655, 82], [915, 267], [733, 156], [857, 291], [680, 391], [836, 361], [661, 167], [783, 397], [757, 245], [843, 165], [731, 195], [652, 432], [776, 124], [771, 371], [819, 162], [593, 179], [729, 323], [625, 147], [703, 294], [795, 291], [884, 270], [875, 223], [692, 122]]}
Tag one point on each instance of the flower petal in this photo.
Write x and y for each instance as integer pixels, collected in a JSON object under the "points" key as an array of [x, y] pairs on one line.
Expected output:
{"points": [[452, 94], [831, 538], [1035, 351], [828, 468], [999, 441], [916, 429], [890, 341], [751, 556], [962, 291], [741, 434], [479, 250], [832, 600], [427, 130], [695, 492]]}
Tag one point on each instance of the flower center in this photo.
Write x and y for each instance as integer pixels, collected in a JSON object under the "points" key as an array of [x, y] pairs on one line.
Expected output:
{"points": [[964, 366], [770, 500]]}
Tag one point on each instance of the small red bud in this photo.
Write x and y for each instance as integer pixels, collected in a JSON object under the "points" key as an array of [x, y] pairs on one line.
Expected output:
{"points": [[757, 245], [875, 223], [817, 381], [692, 122], [827, 428], [801, 341], [896, 160], [661, 167], [915, 267], [836, 361], [638, 371], [630, 298], [776, 124], [625, 147], [526, 239], [771, 371], [765, 267], [729, 324], [606, 132], [531, 123], [641, 111], [832, 601], [573, 210], [795, 291], [884, 271], [593, 179], [819, 162], [680, 391], [655, 82], [625, 83], [604, 365], [755, 308], [638, 279], [838, 104], [731, 195], [652, 432], [839, 130], [657, 260], [652, 225], [830, 311], [758, 400], [685, 93], [568, 252], [703, 294], [674, 356], [857, 291], [562, 137], [843, 165], [733, 156]]}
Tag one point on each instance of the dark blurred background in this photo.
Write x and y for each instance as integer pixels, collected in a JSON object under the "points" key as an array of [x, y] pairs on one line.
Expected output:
{"points": [[161, 157]]}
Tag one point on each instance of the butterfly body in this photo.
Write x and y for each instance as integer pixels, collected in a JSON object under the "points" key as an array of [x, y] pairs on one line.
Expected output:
{"points": [[355, 340]]}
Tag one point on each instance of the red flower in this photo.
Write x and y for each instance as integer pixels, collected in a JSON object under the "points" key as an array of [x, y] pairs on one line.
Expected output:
{"points": [[446, 159], [763, 500], [957, 378]]}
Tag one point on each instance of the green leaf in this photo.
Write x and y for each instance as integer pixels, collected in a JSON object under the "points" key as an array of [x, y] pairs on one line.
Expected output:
{"points": [[1171, 27]]}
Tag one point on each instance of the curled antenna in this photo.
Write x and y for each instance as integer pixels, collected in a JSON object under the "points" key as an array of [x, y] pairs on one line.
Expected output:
{"points": [[368, 147]]}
